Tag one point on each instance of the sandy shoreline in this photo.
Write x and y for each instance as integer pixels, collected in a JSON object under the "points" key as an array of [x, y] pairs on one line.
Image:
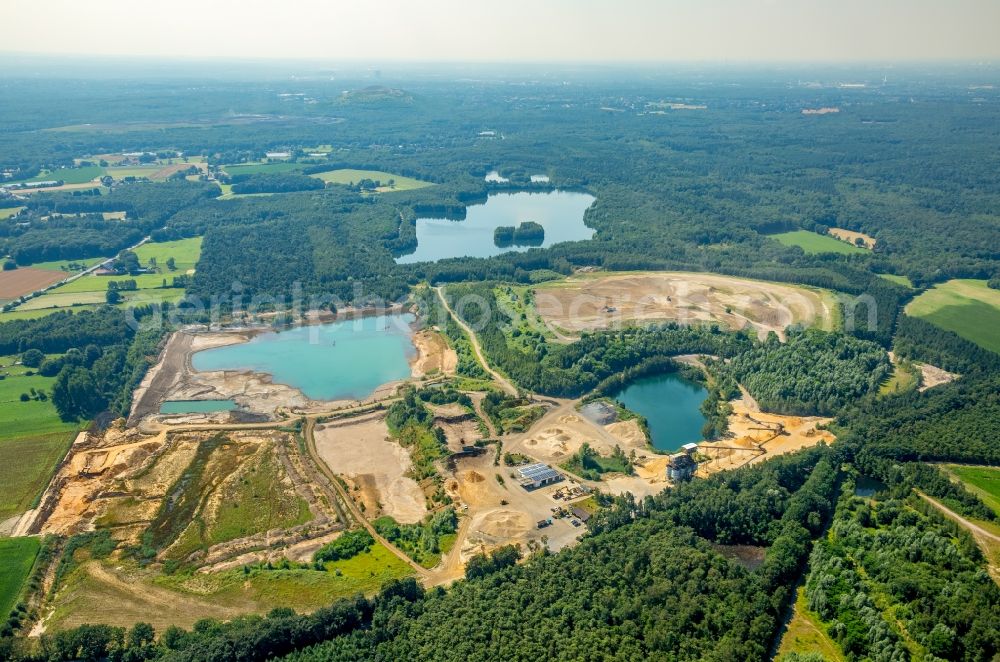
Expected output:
{"points": [[175, 378]]}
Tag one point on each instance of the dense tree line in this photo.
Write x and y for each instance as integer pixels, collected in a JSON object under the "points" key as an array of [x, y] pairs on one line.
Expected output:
{"points": [[814, 372], [274, 183], [901, 557], [956, 421]]}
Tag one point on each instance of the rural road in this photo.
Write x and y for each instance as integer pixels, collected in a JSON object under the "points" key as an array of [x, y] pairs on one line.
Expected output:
{"points": [[500, 379], [974, 529]]}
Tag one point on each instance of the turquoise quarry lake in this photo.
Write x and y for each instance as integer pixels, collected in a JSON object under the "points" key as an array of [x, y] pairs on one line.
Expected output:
{"points": [[348, 359], [670, 405], [559, 212]]}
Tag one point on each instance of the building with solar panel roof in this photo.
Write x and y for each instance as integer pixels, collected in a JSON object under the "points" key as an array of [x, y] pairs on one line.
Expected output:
{"points": [[534, 476]]}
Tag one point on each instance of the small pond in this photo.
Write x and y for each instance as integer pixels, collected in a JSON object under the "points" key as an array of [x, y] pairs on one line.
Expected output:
{"points": [[670, 405], [348, 359], [196, 406], [867, 487], [560, 213]]}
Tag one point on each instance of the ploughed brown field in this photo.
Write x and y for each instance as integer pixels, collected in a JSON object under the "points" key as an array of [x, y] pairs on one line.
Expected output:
{"points": [[26, 280]]}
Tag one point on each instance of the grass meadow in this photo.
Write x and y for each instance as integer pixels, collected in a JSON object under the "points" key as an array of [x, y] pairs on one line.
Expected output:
{"points": [[17, 556], [812, 243], [967, 307], [351, 176], [983, 481]]}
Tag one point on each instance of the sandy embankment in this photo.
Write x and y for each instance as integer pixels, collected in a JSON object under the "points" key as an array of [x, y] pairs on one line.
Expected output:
{"points": [[757, 436], [174, 377], [433, 354]]}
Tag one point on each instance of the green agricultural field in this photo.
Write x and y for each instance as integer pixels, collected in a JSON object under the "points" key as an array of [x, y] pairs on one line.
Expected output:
{"points": [[7, 212], [134, 171], [350, 176], [983, 481], [899, 280], [967, 307], [32, 438], [17, 556], [26, 466], [64, 265], [812, 243], [70, 175], [92, 289], [262, 168]]}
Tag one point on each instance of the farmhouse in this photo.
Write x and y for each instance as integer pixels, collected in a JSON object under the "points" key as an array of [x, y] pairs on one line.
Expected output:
{"points": [[536, 475]]}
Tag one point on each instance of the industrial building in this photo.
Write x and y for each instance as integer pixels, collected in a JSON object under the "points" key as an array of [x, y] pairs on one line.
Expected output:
{"points": [[680, 467], [534, 476]]}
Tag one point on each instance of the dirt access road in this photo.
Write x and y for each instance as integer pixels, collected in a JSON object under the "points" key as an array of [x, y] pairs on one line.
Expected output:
{"points": [[504, 383], [987, 540]]}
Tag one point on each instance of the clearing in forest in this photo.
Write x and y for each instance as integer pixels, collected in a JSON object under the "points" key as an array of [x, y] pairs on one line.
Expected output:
{"points": [[124, 594], [599, 301], [966, 306], [812, 243], [351, 176], [851, 237]]}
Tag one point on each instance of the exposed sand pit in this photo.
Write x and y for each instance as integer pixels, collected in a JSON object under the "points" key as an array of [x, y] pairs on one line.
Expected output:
{"points": [[503, 524], [459, 433], [434, 355], [629, 433], [756, 436], [596, 301], [931, 376], [362, 447]]}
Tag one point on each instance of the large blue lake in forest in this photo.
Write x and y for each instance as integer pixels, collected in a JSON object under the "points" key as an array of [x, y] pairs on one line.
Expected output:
{"points": [[560, 213], [671, 406], [348, 359]]}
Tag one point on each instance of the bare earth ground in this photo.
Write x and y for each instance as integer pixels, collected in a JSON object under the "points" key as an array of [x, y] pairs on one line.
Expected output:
{"points": [[433, 354], [361, 450], [931, 376], [489, 523], [850, 236], [25, 280], [595, 301], [756, 436]]}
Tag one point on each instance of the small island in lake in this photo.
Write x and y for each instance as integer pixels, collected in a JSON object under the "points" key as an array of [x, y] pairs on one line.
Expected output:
{"points": [[527, 233]]}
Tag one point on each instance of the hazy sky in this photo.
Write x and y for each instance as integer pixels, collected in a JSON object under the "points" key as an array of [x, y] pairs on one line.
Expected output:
{"points": [[502, 30]]}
